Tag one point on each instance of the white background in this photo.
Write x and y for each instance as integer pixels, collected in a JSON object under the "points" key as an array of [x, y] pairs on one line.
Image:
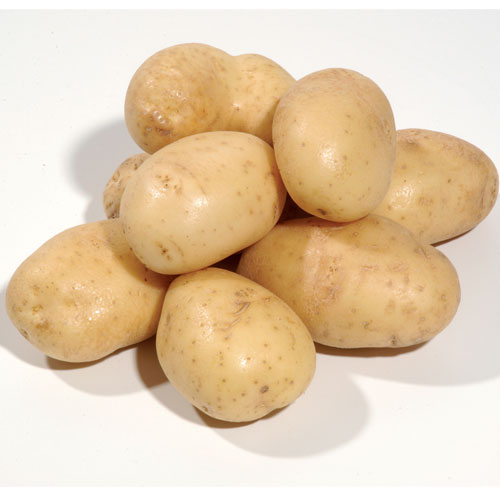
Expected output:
{"points": [[419, 416]]}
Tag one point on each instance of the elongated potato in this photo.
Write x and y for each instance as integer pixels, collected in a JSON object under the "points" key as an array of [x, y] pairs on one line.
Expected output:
{"points": [[367, 283], [232, 348], [201, 199], [442, 186], [335, 143], [83, 294], [192, 88], [113, 191]]}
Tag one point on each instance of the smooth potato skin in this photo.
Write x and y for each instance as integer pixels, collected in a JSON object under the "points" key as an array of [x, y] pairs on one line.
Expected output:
{"points": [[442, 186], [192, 88], [335, 142], [83, 294], [232, 348], [368, 283], [113, 191], [201, 199], [256, 90]]}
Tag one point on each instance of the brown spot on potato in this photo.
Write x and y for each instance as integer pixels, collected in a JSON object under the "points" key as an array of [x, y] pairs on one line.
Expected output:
{"points": [[264, 388]]}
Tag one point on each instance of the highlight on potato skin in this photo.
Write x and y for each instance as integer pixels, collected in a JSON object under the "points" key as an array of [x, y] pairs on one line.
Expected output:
{"points": [[192, 88], [368, 283], [442, 186], [83, 294], [232, 348], [335, 142]]}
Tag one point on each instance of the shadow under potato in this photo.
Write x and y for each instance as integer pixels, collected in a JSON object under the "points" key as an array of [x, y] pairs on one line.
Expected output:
{"points": [[95, 159]]}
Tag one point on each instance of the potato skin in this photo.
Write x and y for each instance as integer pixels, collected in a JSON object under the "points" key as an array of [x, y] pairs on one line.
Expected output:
{"points": [[367, 283], [113, 191], [232, 348], [83, 294], [192, 88], [201, 199], [335, 142], [442, 185]]}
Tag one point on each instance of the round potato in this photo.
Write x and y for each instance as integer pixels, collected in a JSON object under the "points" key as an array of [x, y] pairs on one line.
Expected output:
{"points": [[201, 199], [116, 185], [442, 186], [335, 143], [368, 283], [232, 348], [83, 294], [192, 88]]}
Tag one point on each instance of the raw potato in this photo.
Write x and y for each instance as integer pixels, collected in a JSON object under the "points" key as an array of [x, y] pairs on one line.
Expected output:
{"points": [[116, 185], [232, 348], [442, 186], [368, 283], [192, 88], [201, 199], [335, 143], [83, 294]]}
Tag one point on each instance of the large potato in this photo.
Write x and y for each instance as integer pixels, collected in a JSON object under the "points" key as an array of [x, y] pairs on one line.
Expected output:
{"points": [[83, 294], [335, 144], [113, 192], [192, 88], [232, 348], [442, 186], [201, 199], [368, 283]]}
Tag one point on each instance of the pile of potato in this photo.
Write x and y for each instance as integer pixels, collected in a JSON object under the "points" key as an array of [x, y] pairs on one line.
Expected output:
{"points": [[335, 225]]}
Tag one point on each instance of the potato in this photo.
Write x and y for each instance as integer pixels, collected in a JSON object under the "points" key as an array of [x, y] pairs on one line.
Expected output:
{"points": [[232, 348], [442, 186], [335, 143], [201, 199], [116, 185], [83, 294], [192, 88], [368, 283]]}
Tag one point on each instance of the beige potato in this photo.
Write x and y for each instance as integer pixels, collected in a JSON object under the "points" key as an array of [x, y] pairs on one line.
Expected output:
{"points": [[368, 283], [232, 348], [83, 294], [201, 199], [113, 191], [335, 143], [442, 186], [192, 88]]}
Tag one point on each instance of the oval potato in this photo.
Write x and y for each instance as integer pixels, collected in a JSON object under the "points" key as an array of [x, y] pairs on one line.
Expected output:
{"points": [[83, 294], [201, 199], [335, 143], [368, 283], [442, 186], [232, 348], [192, 88]]}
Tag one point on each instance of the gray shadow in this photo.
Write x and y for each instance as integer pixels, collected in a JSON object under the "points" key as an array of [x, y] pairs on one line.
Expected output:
{"points": [[331, 412], [109, 376], [153, 378], [14, 342], [95, 158]]}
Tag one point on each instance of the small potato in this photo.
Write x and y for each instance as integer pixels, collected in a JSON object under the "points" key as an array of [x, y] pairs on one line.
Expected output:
{"points": [[335, 143], [368, 283], [83, 294], [116, 185], [201, 199], [232, 348], [442, 186], [192, 88]]}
